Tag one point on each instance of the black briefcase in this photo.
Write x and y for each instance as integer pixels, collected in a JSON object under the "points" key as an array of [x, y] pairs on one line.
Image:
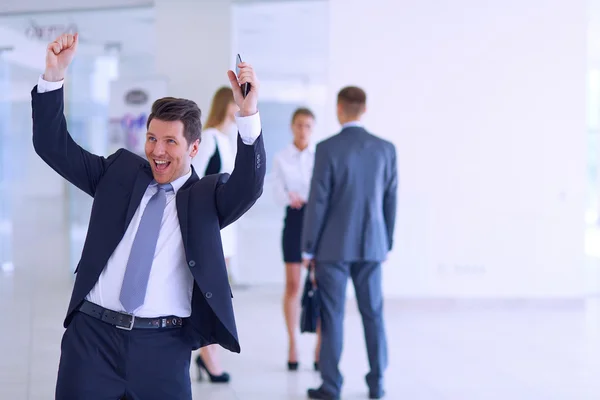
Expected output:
{"points": [[311, 305]]}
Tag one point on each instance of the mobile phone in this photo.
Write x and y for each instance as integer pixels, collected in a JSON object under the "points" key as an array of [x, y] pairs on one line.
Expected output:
{"points": [[245, 86]]}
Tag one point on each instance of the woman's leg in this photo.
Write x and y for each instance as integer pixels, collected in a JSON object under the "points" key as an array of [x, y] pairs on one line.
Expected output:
{"points": [[318, 346], [291, 306], [210, 356]]}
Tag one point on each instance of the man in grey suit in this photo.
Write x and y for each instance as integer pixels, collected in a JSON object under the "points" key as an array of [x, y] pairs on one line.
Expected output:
{"points": [[348, 230]]}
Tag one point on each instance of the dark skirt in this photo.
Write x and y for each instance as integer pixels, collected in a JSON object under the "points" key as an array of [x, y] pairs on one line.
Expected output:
{"points": [[292, 235]]}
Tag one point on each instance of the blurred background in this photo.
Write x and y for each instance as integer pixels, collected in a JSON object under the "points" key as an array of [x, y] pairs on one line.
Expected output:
{"points": [[494, 108]]}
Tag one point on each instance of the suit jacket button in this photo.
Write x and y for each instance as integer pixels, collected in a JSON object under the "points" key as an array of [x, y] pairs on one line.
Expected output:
{"points": [[208, 295], [192, 263]]}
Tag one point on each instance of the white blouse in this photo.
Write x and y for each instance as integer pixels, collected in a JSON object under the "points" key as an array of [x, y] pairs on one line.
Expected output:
{"points": [[292, 172], [211, 139]]}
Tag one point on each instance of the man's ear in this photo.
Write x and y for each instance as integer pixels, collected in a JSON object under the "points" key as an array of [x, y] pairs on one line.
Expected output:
{"points": [[194, 148]]}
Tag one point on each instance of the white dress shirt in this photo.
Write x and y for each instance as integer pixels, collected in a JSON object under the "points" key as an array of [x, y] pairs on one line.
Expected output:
{"points": [[211, 139], [351, 124], [170, 284], [292, 172]]}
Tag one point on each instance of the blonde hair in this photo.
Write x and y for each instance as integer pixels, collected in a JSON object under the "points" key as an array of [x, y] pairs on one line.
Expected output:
{"points": [[218, 109]]}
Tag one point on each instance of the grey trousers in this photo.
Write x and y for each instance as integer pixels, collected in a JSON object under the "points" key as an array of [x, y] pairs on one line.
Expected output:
{"points": [[331, 279]]}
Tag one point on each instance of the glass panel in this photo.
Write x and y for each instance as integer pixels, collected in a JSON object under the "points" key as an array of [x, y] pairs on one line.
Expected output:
{"points": [[124, 52], [6, 246]]}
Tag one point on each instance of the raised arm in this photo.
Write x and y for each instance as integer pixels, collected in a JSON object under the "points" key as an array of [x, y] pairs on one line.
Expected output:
{"points": [[51, 140], [244, 186]]}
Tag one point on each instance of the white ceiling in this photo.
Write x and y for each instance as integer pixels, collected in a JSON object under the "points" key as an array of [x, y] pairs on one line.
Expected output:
{"points": [[35, 6]]}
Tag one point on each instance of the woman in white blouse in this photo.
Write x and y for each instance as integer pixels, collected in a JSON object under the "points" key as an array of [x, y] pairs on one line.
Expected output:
{"points": [[216, 154], [292, 171]]}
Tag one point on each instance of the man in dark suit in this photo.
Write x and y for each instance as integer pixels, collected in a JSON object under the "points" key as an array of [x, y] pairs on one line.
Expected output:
{"points": [[151, 284], [348, 230]]}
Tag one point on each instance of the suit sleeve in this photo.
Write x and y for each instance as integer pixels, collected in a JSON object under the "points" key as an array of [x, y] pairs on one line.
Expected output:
{"points": [[53, 143], [236, 193], [390, 199], [317, 206]]}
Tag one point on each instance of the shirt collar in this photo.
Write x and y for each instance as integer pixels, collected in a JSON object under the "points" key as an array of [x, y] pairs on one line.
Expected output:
{"points": [[351, 123], [177, 183], [295, 151]]}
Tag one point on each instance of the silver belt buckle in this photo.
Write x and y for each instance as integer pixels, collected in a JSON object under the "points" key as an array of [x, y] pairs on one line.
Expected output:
{"points": [[130, 327]]}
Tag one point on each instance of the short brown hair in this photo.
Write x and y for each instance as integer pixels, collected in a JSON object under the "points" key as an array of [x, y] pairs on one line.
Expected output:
{"points": [[302, 111], [353, 100], [174, 109], [218, 109]]}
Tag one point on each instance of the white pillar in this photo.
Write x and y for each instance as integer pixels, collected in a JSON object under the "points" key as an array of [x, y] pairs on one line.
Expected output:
{"points": [[193, 40], [485, 102], [6, 194]]}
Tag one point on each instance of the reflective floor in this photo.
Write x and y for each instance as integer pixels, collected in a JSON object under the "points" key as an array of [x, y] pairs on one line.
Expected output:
{"points": [[453, 351]]}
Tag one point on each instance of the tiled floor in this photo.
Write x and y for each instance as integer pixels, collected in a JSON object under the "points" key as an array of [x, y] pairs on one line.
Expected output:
{"points": [[438, 351]]}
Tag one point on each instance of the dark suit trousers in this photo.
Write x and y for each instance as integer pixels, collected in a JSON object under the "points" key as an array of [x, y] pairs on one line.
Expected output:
{"points": [[101, 362], [331, 280]]}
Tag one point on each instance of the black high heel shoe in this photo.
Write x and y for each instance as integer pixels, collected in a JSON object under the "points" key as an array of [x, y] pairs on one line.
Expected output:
{"points": [[223, 378], [292, 366]]}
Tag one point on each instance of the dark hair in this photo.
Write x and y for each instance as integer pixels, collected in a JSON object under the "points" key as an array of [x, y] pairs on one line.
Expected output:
{"points": [[173, 109], [218, 109], [302, 111], [353, 100]]}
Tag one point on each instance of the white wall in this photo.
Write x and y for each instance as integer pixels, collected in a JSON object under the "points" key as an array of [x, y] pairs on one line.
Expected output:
{"points": [[193, 47], [485, 102]]}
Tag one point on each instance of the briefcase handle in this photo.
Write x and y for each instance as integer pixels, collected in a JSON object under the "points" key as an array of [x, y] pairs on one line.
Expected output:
{"points": [[311, 272]]}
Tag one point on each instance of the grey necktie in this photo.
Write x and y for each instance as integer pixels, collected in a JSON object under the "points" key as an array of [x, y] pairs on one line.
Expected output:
{"points": [[137, 272]]}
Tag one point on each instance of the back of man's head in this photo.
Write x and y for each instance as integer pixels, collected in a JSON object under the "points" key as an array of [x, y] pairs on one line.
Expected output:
{"points": [[352, 101]]}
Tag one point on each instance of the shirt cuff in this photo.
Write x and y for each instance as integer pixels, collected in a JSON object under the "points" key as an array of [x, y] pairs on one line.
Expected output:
{"points": [[249, 127], [44, 86], [307, 256]]}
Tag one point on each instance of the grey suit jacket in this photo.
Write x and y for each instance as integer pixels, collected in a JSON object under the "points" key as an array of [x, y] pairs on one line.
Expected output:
{"points": [[351, 209]]}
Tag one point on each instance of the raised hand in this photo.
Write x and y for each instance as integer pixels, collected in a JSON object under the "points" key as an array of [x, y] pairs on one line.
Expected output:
{"points": [[59, 55], [249, 105]]}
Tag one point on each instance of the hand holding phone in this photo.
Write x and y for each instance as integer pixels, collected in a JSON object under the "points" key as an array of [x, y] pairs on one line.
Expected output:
{"points": [[245, 86]]}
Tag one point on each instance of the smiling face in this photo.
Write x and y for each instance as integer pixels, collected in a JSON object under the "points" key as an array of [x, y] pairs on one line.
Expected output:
{"points": [[168, 151]]}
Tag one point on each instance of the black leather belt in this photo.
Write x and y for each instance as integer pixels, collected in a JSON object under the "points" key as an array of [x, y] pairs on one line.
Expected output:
{"points": [[128, 321]]}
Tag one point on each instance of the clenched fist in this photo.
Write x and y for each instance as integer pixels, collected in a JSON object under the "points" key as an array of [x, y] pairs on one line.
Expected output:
{"points": [[59, 55]]}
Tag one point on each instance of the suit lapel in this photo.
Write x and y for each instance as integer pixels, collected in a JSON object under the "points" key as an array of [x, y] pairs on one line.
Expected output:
{"points": [[143, 179], [182, 202]]}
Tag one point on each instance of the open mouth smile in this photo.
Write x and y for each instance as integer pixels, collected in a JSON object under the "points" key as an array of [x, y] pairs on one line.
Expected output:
{"points": [[161, 165]]}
